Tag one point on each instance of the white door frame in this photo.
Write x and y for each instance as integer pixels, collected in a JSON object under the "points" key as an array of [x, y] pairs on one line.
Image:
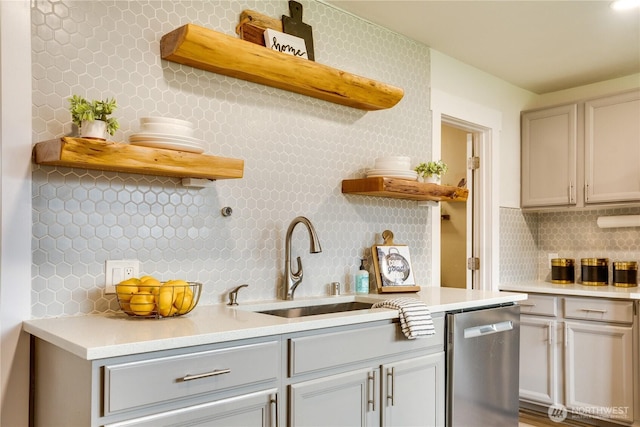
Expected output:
{"points": [[464, 114]]}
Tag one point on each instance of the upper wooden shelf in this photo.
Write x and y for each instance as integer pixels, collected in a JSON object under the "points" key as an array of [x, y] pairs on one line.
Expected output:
{"points": [[404, 189], [120, 157], [213, 51]]}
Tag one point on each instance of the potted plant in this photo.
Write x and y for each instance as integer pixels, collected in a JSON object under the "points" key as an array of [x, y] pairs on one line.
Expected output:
{"points": [[92, 117], [431, 171]]}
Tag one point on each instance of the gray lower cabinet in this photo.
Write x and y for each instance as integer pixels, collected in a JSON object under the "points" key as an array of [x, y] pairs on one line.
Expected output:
{"points": [[366, 376], [213, 385], [358, 375], [579, 353]]}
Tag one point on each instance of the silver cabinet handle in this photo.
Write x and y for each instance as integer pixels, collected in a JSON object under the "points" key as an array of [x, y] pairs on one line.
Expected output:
{"points": [[594, 310], [391, 385], [526, 304], [274, 403], [204, 375], [570, 191], [550, 326], [371, 392]]}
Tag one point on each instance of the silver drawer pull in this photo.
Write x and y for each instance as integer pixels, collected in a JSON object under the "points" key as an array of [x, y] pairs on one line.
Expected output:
{"points": [[205, 375], [595, 310], [527, 304]]}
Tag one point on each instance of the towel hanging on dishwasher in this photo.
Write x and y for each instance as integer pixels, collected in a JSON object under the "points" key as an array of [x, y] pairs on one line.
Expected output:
{"points": [[415, 318]]}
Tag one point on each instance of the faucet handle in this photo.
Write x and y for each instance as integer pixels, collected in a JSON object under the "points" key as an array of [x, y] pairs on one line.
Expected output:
{"points": [[233, 295]]}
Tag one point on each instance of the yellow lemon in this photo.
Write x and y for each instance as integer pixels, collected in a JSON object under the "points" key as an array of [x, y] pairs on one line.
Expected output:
{"points": [[183, 302], [127, 288], [142, 303], [150, 284], [165, 303]]}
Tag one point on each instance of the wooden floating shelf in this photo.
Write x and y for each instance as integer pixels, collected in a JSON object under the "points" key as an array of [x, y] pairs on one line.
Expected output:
{"points": [[404, 189], [120, 157], [213, 51]]}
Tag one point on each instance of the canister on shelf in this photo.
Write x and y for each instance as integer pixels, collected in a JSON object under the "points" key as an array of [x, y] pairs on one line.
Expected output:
{"points": [[625, 273], [563, 271], [595, 271]]}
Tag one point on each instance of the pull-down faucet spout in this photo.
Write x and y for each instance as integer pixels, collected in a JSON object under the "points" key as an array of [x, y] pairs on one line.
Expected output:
{"points": [[293, 279]]}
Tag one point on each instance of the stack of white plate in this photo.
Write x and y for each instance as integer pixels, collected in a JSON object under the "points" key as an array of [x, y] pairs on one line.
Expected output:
{"points": [[168, 133], [393, 167]]}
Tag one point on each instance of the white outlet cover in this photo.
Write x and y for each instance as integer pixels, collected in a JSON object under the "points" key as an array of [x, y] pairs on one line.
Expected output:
{"points": [[115, 272]]}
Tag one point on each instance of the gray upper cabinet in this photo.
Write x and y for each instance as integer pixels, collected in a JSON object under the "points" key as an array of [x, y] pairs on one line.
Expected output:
{"points": [[549, 142], [612, 148], [584, 154]]}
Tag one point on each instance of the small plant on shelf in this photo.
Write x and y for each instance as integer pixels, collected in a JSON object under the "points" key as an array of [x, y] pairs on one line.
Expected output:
{"points": [[431, 169], [83, 112]]}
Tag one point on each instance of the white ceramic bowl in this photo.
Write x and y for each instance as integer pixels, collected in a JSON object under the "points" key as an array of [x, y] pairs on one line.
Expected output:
{"points": [[166, 126], [393, 162]]}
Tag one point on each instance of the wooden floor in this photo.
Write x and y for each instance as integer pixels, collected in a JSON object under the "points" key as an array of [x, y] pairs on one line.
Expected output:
{"points": [[535, 419]]}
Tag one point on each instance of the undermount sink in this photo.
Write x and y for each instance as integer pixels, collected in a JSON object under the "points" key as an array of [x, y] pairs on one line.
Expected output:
{"points": [[312, 310]]}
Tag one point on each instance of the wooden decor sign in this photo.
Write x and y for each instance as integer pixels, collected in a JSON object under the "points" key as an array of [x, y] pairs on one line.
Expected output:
{"points": [[392, 264]]}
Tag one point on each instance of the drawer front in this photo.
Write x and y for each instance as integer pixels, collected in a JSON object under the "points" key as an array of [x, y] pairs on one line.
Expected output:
{"points": [[331, 350], [542, 305], [135, 384], [598, 309]]}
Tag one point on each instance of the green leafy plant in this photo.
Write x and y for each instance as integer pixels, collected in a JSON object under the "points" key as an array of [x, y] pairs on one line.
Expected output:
{"points": [[81, 110], [432, 168]]}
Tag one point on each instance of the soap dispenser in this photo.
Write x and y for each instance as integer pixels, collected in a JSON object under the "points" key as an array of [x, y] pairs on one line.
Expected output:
{"points": [[362, 279]]}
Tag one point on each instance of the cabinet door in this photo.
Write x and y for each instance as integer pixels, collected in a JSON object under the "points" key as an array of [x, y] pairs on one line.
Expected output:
{"points": [[255, 409], [612, 148], [549, 157], [539, 360], [349, 399], [599, 369], [413, 392]]}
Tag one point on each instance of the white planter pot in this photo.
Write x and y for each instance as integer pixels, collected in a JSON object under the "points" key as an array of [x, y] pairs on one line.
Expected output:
{"points": [[96, 129], [432, 179]]}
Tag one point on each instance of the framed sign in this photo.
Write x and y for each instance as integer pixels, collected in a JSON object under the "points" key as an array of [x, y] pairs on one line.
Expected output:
{"points": [[392, 265]]}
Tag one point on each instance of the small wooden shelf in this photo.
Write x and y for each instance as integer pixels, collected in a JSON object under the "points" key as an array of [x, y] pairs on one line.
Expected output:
{"points": [[404, 189], [213, 51], [120, 157]]}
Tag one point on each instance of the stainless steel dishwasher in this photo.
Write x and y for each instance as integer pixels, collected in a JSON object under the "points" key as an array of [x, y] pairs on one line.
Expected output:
{"points": [[482, 371]]}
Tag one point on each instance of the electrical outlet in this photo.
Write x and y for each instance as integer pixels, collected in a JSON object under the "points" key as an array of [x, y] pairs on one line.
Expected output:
{"points": [[118, 270], [551, 256]]}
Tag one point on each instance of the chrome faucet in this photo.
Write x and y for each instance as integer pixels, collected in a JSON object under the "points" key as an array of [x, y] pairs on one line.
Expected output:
{"points": [[292, 280]]}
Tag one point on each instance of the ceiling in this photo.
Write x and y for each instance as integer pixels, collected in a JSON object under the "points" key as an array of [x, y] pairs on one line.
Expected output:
{"points": [[542, 46]]}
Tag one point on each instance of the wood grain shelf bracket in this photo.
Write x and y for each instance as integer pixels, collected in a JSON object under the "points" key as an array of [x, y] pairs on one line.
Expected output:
{"points": [[210, 50], [121, 157], [404, 189]]}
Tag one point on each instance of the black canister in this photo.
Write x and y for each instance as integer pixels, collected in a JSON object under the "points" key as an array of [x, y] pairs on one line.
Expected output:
{"points": [[595, 271], [563, 271], [625, 273]]}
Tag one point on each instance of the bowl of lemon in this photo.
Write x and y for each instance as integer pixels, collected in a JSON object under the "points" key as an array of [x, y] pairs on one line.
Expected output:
{"points": [[148, 297]]}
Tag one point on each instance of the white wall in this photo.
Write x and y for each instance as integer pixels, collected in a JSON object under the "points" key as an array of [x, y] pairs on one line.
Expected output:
{"points": [[461, 80], [15, 210]]}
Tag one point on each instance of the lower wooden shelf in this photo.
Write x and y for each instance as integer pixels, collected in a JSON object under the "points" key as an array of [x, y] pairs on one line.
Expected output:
{"points": [[404, 189], [121, 157]]}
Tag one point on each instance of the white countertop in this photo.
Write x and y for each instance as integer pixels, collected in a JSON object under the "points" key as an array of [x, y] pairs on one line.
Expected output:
{"points": [[573, 289], [116, 334]]}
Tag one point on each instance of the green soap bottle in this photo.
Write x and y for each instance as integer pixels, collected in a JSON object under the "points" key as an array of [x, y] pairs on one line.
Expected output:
{"points": [[362, 279]]}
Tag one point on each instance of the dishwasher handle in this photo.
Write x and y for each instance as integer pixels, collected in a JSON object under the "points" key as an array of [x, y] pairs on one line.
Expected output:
{"points": [[491, 328]]}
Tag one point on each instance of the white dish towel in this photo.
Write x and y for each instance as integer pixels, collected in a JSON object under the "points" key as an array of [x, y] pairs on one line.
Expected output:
{"points": [[415, 318]]}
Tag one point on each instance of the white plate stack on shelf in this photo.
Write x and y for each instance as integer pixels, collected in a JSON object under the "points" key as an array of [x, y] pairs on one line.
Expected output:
{"points": [[168, 133], [393, 167]]}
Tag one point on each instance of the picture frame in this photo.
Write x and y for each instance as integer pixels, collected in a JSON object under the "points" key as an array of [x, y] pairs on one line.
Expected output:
{"points": [[392, 266]]}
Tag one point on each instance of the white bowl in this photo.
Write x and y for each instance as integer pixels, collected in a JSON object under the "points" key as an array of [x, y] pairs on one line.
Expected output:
{"points": [[145, 120], [393, 162], [166, 126]]}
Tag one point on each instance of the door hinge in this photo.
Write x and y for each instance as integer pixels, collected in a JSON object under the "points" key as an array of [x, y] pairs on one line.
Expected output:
{"points": [[473, 163], [473, 263]]}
